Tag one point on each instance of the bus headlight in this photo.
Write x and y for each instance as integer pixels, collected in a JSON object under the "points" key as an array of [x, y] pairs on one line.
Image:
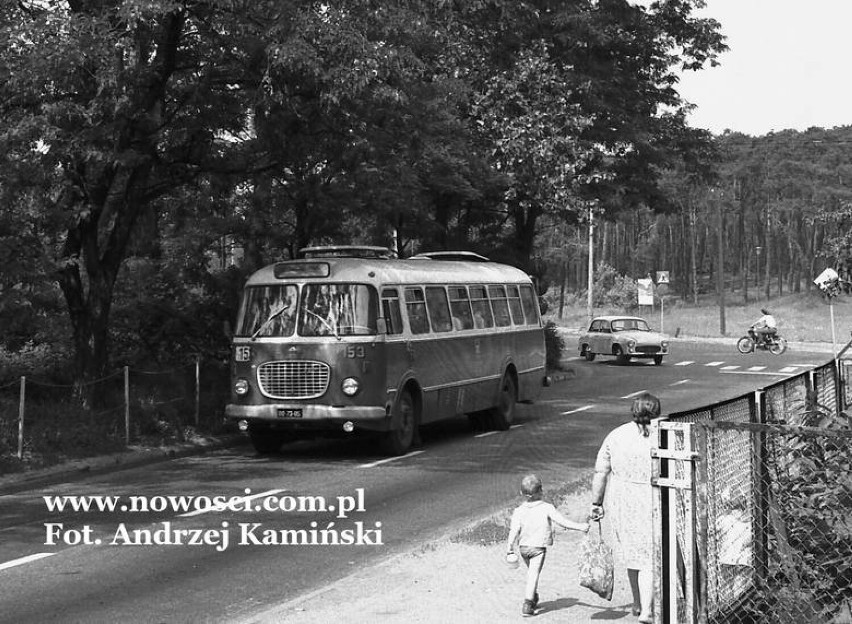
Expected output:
{"points": [[350, 386], [241, 387]]}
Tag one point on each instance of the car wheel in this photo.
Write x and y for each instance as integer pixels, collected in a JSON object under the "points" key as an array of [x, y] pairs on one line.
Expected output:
{"points": [[587, 353], [620, 356], [658, 359]]}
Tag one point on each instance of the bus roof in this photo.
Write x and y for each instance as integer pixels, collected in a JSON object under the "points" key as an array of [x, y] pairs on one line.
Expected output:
{"points": [[391, 271]]}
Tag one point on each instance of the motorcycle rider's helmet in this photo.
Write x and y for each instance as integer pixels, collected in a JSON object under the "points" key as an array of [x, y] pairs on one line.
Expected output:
{"points": [[765, 311]]}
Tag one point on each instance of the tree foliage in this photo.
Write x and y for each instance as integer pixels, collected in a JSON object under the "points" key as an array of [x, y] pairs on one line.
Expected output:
{"points": [[149, 135]]}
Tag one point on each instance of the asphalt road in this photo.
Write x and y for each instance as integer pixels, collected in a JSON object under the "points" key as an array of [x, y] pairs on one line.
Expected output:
{"points": [[457, 476]]}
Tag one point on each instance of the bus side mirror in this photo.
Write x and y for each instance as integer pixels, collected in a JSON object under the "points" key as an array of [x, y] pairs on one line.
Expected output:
{"points": [[226, 329], [381, 326]]}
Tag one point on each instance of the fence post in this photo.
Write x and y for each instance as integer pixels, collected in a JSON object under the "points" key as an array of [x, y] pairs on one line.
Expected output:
{"points": [[197, 390], [127, 406], [21, 411]]}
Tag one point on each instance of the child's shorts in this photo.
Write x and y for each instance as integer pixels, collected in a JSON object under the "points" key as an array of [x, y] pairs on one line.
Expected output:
{"points": [[531, 552]]}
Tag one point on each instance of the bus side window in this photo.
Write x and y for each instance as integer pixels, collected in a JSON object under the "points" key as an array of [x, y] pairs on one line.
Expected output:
{"points": [[482, 317], [415, 308], [460, 308], [439, 308], [500, 305], [391, 311], [515, 305], [530, 305]]}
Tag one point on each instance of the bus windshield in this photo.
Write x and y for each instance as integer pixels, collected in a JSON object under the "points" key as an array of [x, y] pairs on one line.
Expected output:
{"points": [[268, 311], [338, 310], [322, 310]]}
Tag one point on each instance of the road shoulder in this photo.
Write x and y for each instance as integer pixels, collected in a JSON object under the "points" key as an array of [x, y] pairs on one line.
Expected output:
{"points": [[452, 581]]}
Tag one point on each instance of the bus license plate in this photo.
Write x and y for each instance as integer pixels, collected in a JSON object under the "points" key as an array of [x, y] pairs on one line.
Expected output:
{"points": [[289, 413]]}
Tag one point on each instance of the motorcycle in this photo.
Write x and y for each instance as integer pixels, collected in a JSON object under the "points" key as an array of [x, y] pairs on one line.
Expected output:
{"points": [[775, 344]]}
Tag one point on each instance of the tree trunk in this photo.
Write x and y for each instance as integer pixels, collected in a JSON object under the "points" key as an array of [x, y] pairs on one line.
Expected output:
{"points": [[745, 251], [693, 268], [720, 265], [525, 230], [106, 199], [767, 242], [93, 253]]}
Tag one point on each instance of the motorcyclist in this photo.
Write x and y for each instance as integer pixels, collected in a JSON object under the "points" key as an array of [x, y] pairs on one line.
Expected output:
{"points": [[765, 328]]}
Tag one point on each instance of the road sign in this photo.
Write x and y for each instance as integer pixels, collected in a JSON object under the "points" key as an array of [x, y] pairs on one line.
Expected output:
{"points": [[662, 289], [662, 277], [646, 291], [829, 282]]}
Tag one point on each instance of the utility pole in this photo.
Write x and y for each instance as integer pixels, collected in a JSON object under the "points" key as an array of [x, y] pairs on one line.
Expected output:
{"points": [[720, 262], [591, 261]]}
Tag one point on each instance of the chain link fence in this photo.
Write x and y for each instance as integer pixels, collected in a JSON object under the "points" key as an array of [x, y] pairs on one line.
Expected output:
{"points": [[755, 525], [784, 554]]}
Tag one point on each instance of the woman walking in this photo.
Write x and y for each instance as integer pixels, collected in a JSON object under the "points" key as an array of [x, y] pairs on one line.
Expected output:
{"points": [[623, 480]]}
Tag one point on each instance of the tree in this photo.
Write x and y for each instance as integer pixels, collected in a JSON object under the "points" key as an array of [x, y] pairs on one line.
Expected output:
{"points": [[532, 134], [608, 82], [106, 107]]}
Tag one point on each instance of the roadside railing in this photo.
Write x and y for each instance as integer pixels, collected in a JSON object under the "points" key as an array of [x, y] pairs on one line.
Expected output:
{"points": [[39, 416]]}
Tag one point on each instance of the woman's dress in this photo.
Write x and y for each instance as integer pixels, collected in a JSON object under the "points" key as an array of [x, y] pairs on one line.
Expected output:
{"points": [[626, 455]]}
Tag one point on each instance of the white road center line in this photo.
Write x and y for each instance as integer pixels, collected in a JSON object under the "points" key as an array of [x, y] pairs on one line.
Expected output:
{"points": [[633, 394], [788, 369], [745, 372], [490, 433], [241, 499], [682, 381], [579, 409], [756, 368], [729, 368], [714, 363], [23, 560], [389, 459], [684, 363]]}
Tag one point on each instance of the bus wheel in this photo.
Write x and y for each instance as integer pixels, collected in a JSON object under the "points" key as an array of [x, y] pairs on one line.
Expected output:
{"points": [[266, 442], [398, 440], [503, 414]]}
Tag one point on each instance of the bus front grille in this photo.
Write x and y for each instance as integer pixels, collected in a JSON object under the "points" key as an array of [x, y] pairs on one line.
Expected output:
{"points": [[293, 379]]}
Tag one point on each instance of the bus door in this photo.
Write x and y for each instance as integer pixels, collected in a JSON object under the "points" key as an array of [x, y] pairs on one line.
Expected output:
{"points": [[399, 352]]}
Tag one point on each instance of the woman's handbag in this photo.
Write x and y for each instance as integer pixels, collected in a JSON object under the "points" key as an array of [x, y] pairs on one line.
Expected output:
{"points": [[596, 566]]}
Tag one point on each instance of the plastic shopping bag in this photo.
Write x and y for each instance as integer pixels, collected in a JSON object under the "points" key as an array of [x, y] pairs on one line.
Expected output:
{"points": [[596, 565]]}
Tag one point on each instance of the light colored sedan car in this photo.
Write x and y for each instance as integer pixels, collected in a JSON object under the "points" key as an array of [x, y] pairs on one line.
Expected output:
{"points": [[625, 337]]}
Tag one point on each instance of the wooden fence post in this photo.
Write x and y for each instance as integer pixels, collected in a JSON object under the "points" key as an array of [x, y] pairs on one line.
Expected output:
{"points": [[127, 406], [21, 411], [197, 390]]}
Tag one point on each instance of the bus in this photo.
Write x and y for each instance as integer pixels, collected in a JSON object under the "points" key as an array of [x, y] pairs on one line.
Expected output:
{"points": [[348, 340]]}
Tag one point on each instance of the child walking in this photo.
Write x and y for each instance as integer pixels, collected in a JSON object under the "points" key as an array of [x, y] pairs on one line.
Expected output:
{"points": [[531, 530]]}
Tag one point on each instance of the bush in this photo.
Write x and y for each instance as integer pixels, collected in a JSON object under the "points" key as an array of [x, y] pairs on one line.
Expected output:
{"points": [[42, 360], [611, 291], [554, 346]]}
